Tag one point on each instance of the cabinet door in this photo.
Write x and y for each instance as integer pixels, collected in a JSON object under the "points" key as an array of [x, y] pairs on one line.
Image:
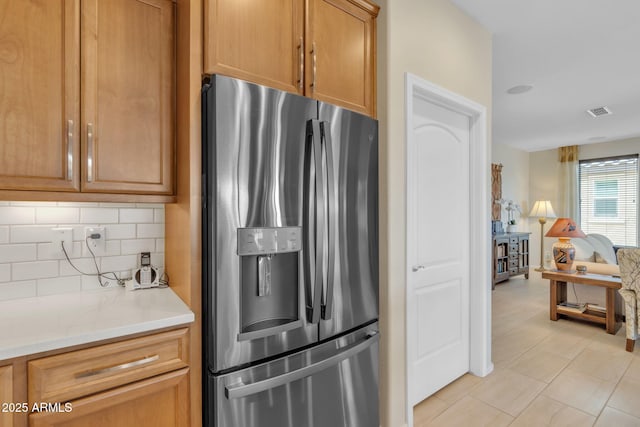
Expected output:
{"points": [[6, 394], [39, 84], [128, 96], [256, 40], [162, 401], [340, 45], [13, 391]]}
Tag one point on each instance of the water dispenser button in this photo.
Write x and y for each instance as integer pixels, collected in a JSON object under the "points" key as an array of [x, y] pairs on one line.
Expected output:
{"points": [[255, 241]]}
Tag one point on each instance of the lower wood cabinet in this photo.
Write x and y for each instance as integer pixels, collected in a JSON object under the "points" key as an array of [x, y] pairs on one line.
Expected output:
{"points": [[162, 401], [6, 395], [13, 393], [141, 382]]}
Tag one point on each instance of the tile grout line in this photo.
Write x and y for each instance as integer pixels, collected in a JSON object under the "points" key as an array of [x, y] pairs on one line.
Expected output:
{"points": [[613, 391]]}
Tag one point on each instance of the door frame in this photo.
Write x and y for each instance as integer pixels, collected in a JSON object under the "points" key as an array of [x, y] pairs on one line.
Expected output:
{"points": [[479, 237]]}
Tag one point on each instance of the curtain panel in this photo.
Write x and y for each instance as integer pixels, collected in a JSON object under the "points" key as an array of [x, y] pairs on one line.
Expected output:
{"points": [[568, 157]]}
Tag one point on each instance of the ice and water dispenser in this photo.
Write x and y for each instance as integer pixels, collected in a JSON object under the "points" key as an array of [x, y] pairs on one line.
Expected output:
{"points": [[269, 280]]}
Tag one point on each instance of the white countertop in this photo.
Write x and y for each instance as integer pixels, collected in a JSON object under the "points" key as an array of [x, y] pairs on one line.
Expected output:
{"points": [[34, 325]]}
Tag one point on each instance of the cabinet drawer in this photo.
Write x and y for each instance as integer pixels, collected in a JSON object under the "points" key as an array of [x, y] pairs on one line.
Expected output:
{"points": [[513, 263], [79, 373], [513, 240], [513, 248]]}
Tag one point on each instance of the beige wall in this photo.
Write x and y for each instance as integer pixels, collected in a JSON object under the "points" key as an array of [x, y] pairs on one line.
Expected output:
{"points": [[544, 172], [436, 41], [515, 179], [609, 149]]}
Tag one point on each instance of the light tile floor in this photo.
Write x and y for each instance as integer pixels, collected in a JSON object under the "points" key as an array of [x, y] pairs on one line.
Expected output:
{"points": [[564, 373]]}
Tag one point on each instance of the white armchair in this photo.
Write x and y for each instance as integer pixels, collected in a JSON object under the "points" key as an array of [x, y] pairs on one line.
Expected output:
{"points": [[629, 262]]}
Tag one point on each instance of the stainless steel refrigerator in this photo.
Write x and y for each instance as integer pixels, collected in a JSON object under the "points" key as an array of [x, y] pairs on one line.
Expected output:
{"points": [[290, 260]]}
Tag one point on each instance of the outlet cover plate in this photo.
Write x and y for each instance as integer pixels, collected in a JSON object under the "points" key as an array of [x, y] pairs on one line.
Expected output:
{"points": [[99, 245], [60, 235]]}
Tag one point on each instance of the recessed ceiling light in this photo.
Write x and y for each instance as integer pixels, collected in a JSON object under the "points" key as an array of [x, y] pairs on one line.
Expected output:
{"points": [[519, 89]]}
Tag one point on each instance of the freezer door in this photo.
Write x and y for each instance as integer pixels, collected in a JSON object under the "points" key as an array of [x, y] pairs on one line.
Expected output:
{"points": [[350, 295], [334, 384], [254, 295]]}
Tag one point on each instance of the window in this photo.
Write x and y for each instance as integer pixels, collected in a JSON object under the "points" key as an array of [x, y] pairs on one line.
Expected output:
{"points": [[605, 198], [608, 198]]}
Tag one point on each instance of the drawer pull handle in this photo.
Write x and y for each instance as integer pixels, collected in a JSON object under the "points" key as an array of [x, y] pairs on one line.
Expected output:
{"points": [[119, 367]]}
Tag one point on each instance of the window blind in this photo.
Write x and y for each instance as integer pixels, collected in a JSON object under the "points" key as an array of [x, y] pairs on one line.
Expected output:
{"points": [[608, 198]]}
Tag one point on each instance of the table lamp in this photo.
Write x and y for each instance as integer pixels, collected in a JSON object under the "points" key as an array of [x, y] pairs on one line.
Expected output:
{"points": [[563, 251], [542, 210]]}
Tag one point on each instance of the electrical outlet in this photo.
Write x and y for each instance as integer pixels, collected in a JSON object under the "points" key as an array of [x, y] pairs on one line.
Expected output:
{"points": [[60, 235], [96, 239]]}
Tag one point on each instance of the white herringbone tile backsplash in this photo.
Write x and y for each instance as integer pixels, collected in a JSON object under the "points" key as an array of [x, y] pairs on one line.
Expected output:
{"points": [[31, 266]]}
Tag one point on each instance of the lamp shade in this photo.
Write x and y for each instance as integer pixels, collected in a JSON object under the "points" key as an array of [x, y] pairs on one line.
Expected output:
{"points": [[565, 227], [542, 209]]}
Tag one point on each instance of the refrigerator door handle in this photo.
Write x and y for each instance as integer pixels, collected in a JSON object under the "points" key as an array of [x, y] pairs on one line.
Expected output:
{"points": [[313, 229], [239, 390], [331, 220]]}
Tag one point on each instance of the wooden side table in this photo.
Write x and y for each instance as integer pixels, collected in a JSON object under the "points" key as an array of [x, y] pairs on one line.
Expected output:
{"points": [[558, 294]]}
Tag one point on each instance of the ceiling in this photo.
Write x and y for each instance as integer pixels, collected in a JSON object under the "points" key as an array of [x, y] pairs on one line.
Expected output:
{"points": [[577, 55]]}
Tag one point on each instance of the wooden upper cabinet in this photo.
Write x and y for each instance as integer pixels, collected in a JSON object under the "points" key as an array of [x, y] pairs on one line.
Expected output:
{"points": [[39, 92], [256, 40], [87, 96], [341, 53], [263, 42], [128, 96]]}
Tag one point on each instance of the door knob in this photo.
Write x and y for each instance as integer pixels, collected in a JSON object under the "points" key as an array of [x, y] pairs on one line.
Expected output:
{"points": [[418, 268]]}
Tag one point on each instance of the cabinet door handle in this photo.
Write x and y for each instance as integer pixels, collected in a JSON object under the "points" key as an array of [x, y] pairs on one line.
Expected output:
{"points": [[418, 268], [89, 152], [301, 66], [314, 66], [69, 150], [116, 368]]}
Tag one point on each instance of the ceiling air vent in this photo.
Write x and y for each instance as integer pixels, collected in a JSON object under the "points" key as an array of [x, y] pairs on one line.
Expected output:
{"points": [[599, 111]]}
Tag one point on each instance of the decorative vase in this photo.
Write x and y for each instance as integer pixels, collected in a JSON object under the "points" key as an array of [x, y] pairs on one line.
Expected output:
{"points": [[512, 228], [564, 253]]}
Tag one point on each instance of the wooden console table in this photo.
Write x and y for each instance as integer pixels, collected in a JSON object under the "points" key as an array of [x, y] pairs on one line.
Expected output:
{"points": [[558, 294]]}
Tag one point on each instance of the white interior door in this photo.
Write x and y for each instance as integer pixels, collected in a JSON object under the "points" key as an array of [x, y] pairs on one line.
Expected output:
{"points": [[438, 240]]}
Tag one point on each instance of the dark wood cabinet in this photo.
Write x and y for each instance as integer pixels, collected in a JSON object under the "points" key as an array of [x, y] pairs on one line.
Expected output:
{"points": [[510, 256]]}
